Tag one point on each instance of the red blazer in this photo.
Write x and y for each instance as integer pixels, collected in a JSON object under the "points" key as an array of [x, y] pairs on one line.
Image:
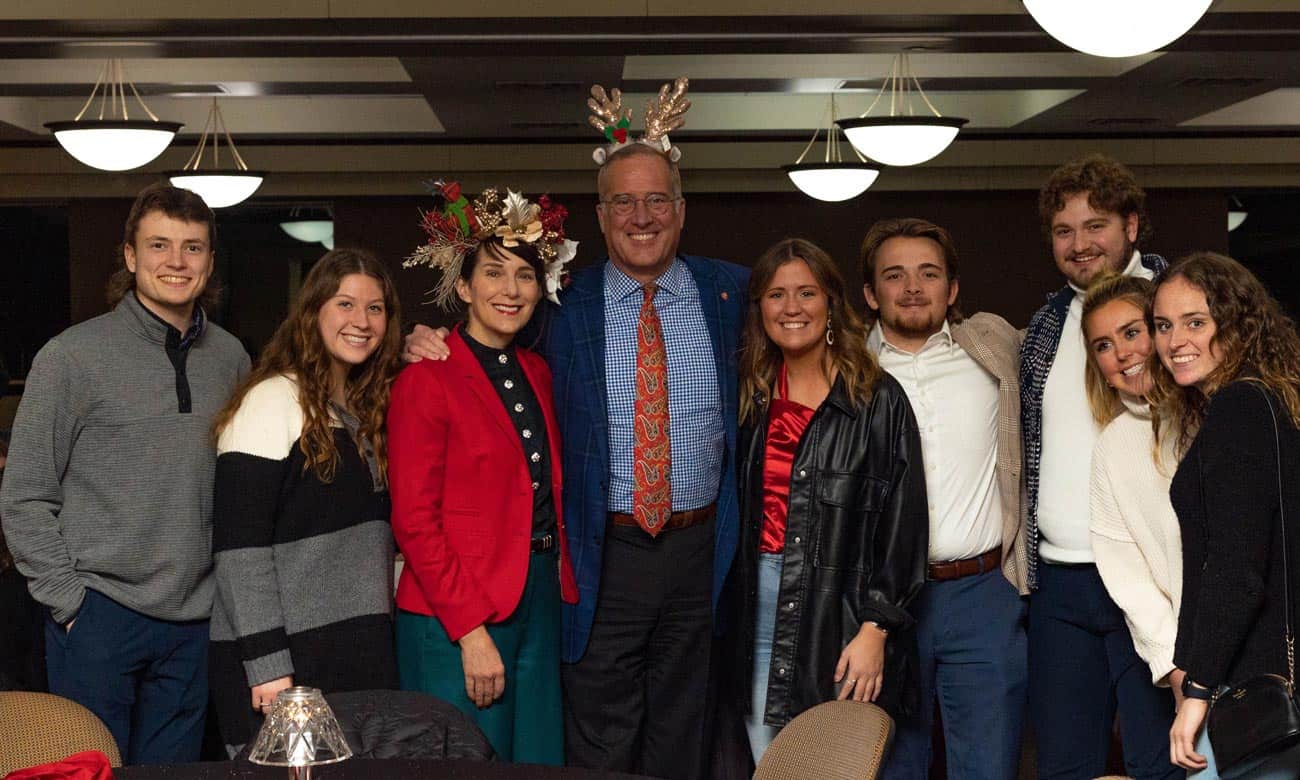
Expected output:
{"points": [[462, 494]]}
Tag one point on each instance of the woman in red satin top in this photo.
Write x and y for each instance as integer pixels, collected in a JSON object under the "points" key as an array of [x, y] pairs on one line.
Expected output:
{"points": [[834, 519]]}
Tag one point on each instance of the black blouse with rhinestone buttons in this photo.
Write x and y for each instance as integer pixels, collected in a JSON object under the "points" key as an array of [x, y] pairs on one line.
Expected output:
{"points": [[525, 411]]}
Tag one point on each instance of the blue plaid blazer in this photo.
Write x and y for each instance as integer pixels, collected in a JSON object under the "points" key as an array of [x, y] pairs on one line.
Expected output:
{"points": [[1036, 356], [573, 342]]}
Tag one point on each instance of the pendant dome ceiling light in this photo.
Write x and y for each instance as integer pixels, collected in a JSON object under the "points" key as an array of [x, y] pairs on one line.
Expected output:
{"points": [[115, 142], [307, 225], [1236, 213], [1116, 28], [218, 187], [832, 180], [902, 138]]}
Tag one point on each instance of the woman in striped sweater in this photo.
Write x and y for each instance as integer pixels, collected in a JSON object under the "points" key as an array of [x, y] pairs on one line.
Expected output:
{"points": [[301, 537]]}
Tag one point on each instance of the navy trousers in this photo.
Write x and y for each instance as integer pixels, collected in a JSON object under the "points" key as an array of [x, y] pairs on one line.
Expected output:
{"points": [[1082, 668], [971, 644], [147, 679]]}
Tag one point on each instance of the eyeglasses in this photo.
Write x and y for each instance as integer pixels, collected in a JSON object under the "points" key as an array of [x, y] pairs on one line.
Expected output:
{"points": [[657, 203]]}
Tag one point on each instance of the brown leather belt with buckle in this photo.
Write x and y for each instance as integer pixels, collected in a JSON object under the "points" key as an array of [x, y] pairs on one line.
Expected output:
{"points": [[952, 570], [675, 521], [543, 543]]}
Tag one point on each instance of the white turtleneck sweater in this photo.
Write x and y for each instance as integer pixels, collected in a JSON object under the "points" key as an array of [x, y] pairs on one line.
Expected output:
{"points": [[1135, 535]]}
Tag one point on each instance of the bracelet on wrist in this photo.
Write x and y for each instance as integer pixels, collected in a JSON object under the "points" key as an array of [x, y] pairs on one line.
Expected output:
{"points": [[1193, 691]]}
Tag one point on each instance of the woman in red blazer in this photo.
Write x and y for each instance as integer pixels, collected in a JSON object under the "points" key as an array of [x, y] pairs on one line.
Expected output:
{"points": [[474, 472]]}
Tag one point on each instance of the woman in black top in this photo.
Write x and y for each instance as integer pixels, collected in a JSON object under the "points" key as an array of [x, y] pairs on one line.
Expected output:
{"points": [[833, 505], [1231, 354]]}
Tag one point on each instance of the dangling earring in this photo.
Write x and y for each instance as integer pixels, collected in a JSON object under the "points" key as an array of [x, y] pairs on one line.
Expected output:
{"points": [[830, 334]]}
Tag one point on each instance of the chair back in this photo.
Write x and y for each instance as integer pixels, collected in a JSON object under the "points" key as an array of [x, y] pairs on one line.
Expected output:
{"points": [[836, 740], [39, 728]]}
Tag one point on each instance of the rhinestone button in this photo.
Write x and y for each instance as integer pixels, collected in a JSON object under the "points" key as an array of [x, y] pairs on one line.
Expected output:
{"points": [[536, 485], [536, 456], [527, 433], [502, 359], [509, 383], [519, 407]]}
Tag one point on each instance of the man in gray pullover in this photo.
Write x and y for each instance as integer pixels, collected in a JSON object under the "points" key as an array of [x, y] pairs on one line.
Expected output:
{"points": [[107, 498]]}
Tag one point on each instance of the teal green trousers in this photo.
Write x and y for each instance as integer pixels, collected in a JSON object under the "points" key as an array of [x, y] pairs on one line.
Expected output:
{"points": [[526, 724]]}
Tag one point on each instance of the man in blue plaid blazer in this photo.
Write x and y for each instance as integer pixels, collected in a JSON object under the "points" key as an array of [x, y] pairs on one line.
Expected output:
{"points": [[1081, 657]]}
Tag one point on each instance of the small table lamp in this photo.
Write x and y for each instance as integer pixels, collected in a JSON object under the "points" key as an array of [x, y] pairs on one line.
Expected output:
{"points": [[300, 732]]}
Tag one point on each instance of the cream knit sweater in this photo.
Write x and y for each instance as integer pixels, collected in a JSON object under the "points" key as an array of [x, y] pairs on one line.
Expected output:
{"points": [[1135, 534]]}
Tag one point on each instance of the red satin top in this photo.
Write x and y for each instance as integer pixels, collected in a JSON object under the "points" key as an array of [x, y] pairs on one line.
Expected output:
{"points": [[786, 423]]}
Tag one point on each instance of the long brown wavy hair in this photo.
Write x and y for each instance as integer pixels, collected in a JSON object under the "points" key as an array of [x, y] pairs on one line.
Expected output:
{"points": [[760, 359], [1257, 340], [1108, 286], [296, 349]]}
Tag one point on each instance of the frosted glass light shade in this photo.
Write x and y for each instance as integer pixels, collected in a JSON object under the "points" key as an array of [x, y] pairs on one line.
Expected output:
{"points": [[218, 188], [1235, 218], [901, 140], [1116, 28], [114, 144], [832, 181], [312, 231]]}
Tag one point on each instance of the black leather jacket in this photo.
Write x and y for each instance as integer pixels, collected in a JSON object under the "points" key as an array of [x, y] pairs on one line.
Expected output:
{"points": [[855, 550]]}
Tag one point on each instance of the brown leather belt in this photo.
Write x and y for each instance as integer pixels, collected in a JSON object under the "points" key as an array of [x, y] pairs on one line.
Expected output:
{"points": [[675, 521], [952, 570]]}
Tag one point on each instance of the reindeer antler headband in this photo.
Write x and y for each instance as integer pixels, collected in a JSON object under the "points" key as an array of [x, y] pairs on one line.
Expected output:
{"points": [[457, 227], [664, 113]]}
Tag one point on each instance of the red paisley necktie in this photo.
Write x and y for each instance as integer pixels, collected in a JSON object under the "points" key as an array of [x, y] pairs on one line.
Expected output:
{"points": [[652, 496]]}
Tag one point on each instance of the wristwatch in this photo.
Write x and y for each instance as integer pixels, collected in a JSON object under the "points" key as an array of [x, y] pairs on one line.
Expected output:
{"points": [[1192, 690]]}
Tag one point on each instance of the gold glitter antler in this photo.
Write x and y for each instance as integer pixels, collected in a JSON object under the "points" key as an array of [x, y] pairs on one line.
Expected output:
{"points": [[607, 110], [666, 113]]}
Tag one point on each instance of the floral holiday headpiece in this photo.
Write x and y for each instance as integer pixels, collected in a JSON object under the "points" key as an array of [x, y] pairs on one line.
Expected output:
{"points": [[456, 227], [664, 113]]}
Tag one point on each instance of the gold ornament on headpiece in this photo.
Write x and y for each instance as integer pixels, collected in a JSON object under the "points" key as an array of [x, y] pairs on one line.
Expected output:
{"points": [[458, 227], [664, 114]]}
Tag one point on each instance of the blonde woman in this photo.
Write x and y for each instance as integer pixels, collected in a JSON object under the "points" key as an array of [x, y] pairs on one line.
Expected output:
{"points": [[1135, 534]]}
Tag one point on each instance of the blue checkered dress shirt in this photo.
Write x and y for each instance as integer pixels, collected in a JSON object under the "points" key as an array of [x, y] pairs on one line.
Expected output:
{"points": [[694, 402]]}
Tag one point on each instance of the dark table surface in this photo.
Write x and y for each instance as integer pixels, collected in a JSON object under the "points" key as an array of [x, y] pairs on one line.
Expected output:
{"points": [[364, 769]]}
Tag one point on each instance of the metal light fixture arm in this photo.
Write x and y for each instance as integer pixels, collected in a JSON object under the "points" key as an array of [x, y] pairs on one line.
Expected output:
{"points": [[112, 77]]}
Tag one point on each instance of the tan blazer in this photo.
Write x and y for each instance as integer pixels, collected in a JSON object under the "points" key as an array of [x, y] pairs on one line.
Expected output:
{"points": [[995, 346]]}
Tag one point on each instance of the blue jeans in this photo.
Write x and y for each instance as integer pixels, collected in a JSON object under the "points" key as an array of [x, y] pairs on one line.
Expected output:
{"points": [[769, 589], [971, 644], [1082, 667], [147, 679]]}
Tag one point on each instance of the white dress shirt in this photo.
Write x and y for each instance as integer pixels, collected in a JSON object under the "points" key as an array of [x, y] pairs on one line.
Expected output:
{"points": [[956, 406], [1069, 436]]}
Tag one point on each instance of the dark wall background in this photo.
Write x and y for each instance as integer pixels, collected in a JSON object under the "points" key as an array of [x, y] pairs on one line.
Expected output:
{"points": [[33, 282], [55, 258]]}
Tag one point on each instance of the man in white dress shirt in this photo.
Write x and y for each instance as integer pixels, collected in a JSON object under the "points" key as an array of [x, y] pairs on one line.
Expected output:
{"points": [[960, 377]]}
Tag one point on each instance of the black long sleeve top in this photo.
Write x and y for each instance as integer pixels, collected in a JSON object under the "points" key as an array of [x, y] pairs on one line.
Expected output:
{"points": [[1232, 621]]}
